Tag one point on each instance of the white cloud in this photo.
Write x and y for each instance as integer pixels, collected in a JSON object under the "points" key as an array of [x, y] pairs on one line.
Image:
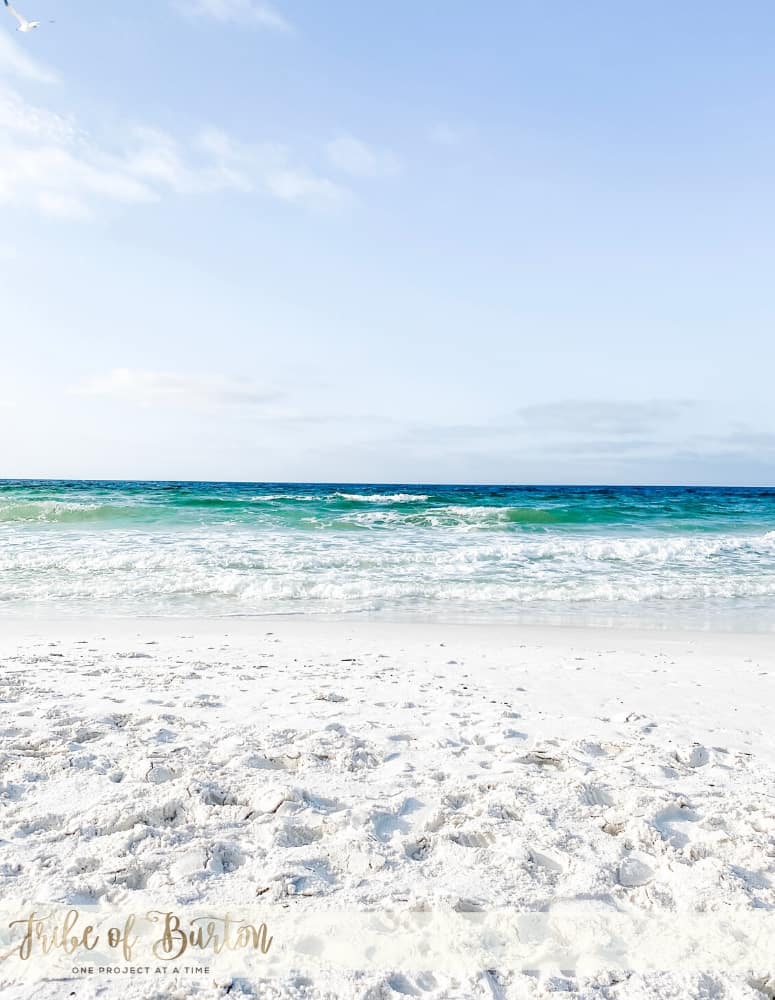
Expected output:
{"points": [[601, 416], [445, 134], [50, 163], [357, 158], [237, 11], [290, 184], [22, 118], [148, 388], [14, 61], [47, 162]]}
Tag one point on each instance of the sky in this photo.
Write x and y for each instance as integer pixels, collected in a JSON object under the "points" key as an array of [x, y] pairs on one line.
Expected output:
{"points": [[388, 242]]}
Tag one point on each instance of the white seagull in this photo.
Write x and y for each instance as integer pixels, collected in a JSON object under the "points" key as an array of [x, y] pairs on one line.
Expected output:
{"points": [[24, 24]]}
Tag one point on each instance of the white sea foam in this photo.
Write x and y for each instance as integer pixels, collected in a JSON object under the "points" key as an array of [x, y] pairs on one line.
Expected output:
{"points": [[382, 497], [257, 571]]}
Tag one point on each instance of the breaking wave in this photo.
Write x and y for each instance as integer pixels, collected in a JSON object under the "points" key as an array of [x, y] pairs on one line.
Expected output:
{"points": [[212, 548]]}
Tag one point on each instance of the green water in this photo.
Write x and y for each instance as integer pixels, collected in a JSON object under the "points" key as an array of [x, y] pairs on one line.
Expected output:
{"points": [[698, 555]]}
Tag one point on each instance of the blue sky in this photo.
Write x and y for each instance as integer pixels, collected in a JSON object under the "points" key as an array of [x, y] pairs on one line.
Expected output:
{"points": [[412, 241]]}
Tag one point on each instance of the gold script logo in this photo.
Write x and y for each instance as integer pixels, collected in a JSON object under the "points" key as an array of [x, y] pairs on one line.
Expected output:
{"points": [[170, 938]]}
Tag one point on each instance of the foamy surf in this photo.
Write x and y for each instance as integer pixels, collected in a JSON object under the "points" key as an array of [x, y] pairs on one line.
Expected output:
{"points": [[492, 552]]}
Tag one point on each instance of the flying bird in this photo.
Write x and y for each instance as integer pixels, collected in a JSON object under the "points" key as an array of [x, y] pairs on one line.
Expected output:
{"points": [[24, 24]]}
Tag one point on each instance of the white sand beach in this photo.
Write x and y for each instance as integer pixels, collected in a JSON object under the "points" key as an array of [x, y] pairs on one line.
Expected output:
{"points": [[310, 765]]}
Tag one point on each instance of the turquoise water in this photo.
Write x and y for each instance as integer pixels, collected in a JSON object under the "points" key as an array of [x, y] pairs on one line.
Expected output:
{"points": [[698, 556]]}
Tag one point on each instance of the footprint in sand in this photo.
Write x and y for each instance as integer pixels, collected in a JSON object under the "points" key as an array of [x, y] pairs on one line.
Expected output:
{"points": [[596, 795], [418, 850], [549, 862], [223, 859], [635, 870], [292, 835], [674, 824], [697, 756], [472, 838]]}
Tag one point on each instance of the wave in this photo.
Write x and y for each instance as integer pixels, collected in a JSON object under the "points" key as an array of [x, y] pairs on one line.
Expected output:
{"points": [[382, 497], [270, 571], [253, 549], [205, 592], [57, 511], [340, 507], [278, 505], [487, 517]]}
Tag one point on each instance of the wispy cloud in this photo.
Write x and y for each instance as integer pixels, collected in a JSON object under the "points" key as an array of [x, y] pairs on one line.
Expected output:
{"points": [[444, 134], [249, 12], [567, 431], [589, 418], [149, 388], [49, 163], [359, 159], [299, 185], [14, 61], [740, 440]]}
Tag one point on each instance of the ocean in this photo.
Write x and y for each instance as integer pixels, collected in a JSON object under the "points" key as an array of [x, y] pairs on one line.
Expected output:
{"points": [[653, 556]]}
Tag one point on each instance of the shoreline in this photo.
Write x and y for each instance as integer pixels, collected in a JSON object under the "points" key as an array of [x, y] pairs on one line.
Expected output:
{"points": [[244, 625]]}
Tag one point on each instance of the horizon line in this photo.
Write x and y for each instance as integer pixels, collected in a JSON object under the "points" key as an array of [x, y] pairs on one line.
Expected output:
{"points": [[383, 483]]}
